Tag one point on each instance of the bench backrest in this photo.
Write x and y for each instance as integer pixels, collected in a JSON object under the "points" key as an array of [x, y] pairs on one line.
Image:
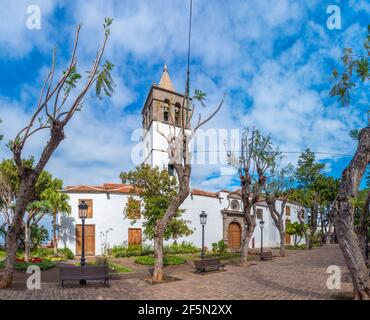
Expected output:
{"points": [[87, 270], [266, 255], [207, 263]]}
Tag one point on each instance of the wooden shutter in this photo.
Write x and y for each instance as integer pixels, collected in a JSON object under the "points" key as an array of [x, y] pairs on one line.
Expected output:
{"points": [[287, 211]]}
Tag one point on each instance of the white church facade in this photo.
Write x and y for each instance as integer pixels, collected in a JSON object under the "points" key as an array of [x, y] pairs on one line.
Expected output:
{"points": [[107, 224]]}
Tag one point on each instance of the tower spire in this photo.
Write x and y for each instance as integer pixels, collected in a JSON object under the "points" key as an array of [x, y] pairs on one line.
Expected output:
{"points": [[165, 81]]}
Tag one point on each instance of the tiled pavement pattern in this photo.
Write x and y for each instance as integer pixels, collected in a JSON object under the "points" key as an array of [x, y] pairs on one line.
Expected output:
{"points": [[300, 275]]}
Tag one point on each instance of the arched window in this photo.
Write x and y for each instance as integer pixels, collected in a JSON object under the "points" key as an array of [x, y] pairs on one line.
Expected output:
{"points": [[177, 114], [171, 169], [166, 111]]}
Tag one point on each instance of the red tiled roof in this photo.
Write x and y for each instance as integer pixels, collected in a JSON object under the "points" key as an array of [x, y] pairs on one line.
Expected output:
{"points": [[127, 188], [106, 187], [198, 192]]}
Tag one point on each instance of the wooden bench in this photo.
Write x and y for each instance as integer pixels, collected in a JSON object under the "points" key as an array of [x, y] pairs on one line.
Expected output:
{"points": [[265, 256], [70, 272], [205, 265]]}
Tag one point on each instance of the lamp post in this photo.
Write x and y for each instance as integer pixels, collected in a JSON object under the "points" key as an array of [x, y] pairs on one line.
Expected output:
{"points": [[203, 221], [262, 224], [82, 212]]}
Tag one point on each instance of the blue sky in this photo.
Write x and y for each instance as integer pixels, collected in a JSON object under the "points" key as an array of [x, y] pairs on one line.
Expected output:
{"points": [[272, 58]]}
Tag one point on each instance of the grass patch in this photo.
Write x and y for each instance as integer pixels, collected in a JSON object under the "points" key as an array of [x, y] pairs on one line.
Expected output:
{"points": [[87, 263], [299, 247], [113, 267], [167, 261], [226, 256], [117, 268], [22, 266]]}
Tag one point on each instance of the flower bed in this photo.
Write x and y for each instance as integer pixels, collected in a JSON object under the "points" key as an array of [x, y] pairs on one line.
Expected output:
{"points": [[21, 265]]}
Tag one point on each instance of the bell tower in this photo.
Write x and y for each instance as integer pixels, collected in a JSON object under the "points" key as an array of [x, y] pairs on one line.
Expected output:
{"points": [[163, 110]]}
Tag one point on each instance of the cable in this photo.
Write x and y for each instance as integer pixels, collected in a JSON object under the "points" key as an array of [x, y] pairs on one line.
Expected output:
{"points": [[298, 152], [188, 62]]}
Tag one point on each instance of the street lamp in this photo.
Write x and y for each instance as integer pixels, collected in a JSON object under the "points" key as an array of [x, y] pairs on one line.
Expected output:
{"points": [[203, 221], [82, 212], [262, 224]]}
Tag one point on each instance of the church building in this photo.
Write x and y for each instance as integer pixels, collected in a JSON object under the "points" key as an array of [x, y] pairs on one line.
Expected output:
{"points": [[106, 225]]}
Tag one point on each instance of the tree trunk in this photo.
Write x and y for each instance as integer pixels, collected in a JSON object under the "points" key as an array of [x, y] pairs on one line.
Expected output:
{"points": [[245, 244], [362, 228], [307, 240], [305, 231], [158, 273], [313, 226], [26, 192], [282, 243], [183, 174], [27, 240], [277, 217], [344, 216], [55, 241]]}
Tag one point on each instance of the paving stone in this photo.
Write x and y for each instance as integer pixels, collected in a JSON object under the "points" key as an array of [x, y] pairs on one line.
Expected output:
{"points": [[299, 275]]}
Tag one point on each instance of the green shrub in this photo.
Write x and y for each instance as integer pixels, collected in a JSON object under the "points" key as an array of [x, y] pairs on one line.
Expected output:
{"points": [[131, 250], [63, 253], [66, 253], [42, 252], [219, 247], [22, 266], [183, 248], [316, 240], [167, 261]]}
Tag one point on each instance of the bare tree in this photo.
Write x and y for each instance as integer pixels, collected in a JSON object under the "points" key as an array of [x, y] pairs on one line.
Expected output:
{"points": [[355, 74], [279, 187], [178, 140], [53, 112], [344, 216], [255, 158]]}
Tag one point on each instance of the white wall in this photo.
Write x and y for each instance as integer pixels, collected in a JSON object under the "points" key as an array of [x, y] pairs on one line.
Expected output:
{"points": [[108, 213], [213, 231]]}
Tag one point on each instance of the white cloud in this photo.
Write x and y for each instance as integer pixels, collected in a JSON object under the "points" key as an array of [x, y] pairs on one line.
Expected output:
{"points": [[234, 50], [16, 39]]}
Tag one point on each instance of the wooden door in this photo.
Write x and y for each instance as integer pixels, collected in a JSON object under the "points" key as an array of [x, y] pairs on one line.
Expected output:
{"points": [[134, 236], [89, 239], [234, 236]]}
